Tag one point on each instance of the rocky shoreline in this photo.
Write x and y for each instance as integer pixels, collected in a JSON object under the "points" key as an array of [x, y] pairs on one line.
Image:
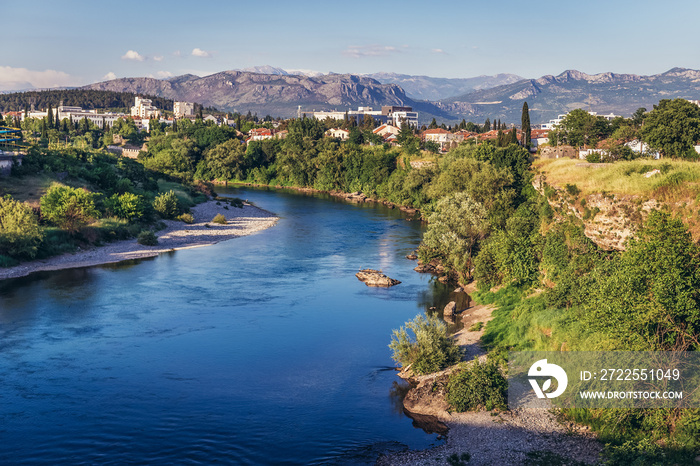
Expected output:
{"points": [[176, 235], [507, 437]]}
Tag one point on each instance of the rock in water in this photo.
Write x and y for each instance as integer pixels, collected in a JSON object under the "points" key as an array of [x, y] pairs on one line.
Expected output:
{"points": [[450, 309], [375, 278]]}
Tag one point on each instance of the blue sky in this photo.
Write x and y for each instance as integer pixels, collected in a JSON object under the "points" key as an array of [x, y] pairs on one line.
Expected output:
{"points": [[78, 42]]}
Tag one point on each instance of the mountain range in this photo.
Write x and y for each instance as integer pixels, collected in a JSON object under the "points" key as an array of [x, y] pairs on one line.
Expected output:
{"points": [[278, 92], [549, 95], [273, 94]]}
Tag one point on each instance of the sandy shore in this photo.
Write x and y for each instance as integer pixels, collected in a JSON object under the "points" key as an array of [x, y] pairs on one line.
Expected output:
{"points": [[177, 235]]}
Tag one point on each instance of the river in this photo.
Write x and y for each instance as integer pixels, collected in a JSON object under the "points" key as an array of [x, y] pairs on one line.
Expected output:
{"points": [[260, 350]]}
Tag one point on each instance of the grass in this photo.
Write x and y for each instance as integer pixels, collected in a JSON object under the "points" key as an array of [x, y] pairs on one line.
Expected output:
{"points": [[622, 177], [27, 188], [184, 196]]}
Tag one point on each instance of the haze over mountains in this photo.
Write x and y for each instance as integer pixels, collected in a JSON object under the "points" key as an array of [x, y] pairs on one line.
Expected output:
{"points": [[279, 92]]}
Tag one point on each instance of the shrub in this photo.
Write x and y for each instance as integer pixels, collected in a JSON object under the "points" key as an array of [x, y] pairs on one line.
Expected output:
{"points": [[68, 208], [476, 326], [593, 157], [166, 204], [477, 386], [572, 189], [220, 219], [127, 206], [187, 218], [20, 233], [6, 261], [147, 238], [430, 349]]}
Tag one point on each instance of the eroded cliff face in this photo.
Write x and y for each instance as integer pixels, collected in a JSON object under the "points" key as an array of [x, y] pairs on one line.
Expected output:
{"points": [[609, 220]]}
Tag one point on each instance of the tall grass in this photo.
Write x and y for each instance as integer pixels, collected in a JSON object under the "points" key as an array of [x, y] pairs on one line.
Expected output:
{"points": [[621, 177]]}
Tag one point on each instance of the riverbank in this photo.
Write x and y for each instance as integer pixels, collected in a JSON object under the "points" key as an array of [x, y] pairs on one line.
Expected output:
{"points": [[515, 436], [175, 236], [356, 197]]}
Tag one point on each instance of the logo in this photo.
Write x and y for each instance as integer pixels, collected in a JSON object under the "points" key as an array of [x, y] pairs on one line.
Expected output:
{"points": [[542, 369]]}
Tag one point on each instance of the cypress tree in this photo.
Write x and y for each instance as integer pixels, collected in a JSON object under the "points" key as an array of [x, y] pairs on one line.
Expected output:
{"points": [[513, 136], [49, 117], [487, 125], [43, 129], [525, 126]]}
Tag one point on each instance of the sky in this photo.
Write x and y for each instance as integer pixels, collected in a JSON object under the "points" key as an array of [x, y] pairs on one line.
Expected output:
{"points": [[70, 43]]}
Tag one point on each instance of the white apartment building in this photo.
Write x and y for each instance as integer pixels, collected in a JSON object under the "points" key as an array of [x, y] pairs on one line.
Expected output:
{"points": [[557, 121], [183, 109], [143, 108], [387, 115]]}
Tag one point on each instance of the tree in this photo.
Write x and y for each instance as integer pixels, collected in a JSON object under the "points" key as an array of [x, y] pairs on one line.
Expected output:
{"points": [[673, 128], [127, 206], [647, 298], [68, 208], [487, 126], [433, 124], [166, 204], [405, 134], [525, 127], [49, 117], [638, 116], [20, 233], [454, 229]]}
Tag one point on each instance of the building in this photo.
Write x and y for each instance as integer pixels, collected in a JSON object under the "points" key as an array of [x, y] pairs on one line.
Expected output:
{"points": [[557, 121], [183, 109], [383, 130], [341, 134], [143, 108], [441, 137], [393, 115], [259, 134], [397, 115]]}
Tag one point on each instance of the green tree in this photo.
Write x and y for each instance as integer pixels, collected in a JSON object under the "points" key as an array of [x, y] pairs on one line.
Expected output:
{"points": [[127, 206], [525, 126], [673, 128], [433, 124], [428, 349], [647, 298], [454, 229], [20, 233], [49, 117], [68, 208], [166, 204], [487, 126]]}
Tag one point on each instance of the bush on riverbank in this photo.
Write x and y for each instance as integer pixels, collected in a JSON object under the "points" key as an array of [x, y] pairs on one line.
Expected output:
{"points": [[147, 238], [428, 349], [477, 385]]}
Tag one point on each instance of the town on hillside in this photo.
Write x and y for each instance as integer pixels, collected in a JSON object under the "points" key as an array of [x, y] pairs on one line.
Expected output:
{"points": [[578, 134]]}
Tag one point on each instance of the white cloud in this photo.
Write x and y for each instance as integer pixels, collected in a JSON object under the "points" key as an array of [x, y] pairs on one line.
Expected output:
{"points": [[177, 53], [22, 78], [164, 74], [158, 57], [439, 51], [109, 76], [359, 51], [197, 52], [133, 55]]}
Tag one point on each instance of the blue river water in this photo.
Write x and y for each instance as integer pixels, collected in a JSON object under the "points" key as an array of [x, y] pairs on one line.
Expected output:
{"points": [[260, 350]]}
